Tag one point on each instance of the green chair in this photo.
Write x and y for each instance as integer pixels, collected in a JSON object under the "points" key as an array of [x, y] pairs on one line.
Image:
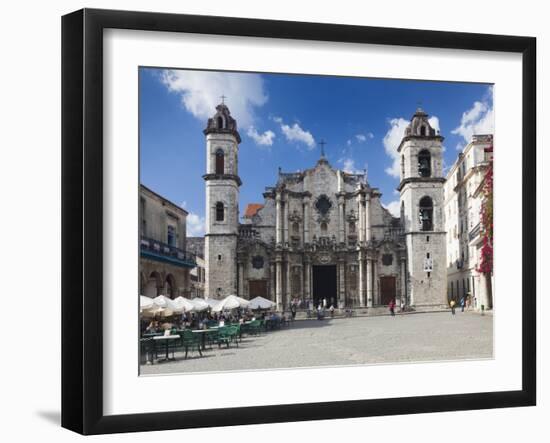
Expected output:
{"points": [[224, 336], [235, 332], [211, 337], [190, 341], [256, 327]]}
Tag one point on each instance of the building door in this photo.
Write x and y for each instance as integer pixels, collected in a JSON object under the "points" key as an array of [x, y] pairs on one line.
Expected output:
{"points": [[387, 290], [257, 288], [324, 285]]}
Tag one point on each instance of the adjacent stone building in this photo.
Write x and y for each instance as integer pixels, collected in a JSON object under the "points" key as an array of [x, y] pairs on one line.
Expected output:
{"points": [[463, 200], [164, 264], [195, 245], [323, 234]]}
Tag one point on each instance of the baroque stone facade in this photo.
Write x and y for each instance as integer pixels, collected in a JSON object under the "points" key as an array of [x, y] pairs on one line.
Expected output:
{"points": [[322, 234]]}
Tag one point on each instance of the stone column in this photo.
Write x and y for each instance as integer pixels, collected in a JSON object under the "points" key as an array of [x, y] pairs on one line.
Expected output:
{"points": [[375, 292], [361, 280], [307, 278], [285, 221], [361, 219], [367, 219], [342, 281], [403, 280], [241, 279], [370, 302], [286, 300], [341, 220], [306, 219], [278, 219], [279, 285], [272, 282]]}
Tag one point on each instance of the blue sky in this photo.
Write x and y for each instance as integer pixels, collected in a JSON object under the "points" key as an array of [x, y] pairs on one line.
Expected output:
{"points": [[282, 117]]}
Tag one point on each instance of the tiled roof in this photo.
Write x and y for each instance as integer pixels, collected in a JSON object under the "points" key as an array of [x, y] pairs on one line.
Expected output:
{"points": [[252, 209]]}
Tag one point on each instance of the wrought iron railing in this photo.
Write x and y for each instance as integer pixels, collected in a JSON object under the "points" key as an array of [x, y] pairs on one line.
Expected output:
{"points": [[474, 232], [162, 251]]}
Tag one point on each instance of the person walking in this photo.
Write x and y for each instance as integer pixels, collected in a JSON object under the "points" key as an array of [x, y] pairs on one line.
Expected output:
{"points": [[452, 304], [462, 303], [392, 307]]}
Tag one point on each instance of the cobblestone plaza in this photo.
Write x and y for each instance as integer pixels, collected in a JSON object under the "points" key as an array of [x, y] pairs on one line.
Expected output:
{"points": [[347, 341]]}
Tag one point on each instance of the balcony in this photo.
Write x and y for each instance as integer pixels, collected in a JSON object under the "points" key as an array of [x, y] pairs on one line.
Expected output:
{"points": [[159, 251], [475, 234], [247, 231]]}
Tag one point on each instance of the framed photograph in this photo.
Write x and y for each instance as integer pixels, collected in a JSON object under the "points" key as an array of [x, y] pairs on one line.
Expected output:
{"points": [[269, 221]]}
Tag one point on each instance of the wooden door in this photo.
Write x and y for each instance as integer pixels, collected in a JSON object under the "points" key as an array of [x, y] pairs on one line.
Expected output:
{"points": [[257, 288], [387, 290]]}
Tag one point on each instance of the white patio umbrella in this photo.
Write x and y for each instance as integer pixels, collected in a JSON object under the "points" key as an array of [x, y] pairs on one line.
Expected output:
{"points": [[230, 302], [199, 304], [163, 306], [182, 304], [212, 302], [261, 303], [145, 303]]}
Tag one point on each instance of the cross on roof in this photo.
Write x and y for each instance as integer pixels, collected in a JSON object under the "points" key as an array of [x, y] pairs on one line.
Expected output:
{"points": [[223, 97]]}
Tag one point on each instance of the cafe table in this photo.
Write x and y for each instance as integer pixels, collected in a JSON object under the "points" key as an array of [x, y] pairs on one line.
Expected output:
{"points": [[166, 339], [203, 333]]}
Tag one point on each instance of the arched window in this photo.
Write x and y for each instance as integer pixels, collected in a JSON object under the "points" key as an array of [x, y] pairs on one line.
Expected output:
{"points": [[423, 131], [219, 211], [220, 122], [324, 228], [424, 163], [402, 213], [402, 166], [220, 160], [426, 211]]}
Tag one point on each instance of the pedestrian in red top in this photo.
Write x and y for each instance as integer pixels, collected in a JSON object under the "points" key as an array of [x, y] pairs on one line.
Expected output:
{"points": [[392, 307]]}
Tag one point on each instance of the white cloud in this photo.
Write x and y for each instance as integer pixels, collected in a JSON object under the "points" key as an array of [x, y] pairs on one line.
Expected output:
{"points": [[195, 225], [348, 165], [295, 133], [434, 123], [200, 92], [394, 207], [265, 139], [479, 119], [362, 138], [391, 142], [348, 142]]}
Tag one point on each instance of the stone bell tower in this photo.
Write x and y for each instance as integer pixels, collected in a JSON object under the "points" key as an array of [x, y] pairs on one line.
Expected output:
{"points": [[422, 198], [222, 203]]}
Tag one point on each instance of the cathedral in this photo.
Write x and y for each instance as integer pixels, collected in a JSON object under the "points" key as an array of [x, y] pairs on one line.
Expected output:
{"points": [[323, 234]]}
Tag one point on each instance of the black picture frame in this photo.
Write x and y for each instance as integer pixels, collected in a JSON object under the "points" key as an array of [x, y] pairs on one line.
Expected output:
{"points": [[82, 215]]}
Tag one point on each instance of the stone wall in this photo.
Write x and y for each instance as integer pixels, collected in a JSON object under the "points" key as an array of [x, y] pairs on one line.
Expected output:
{"points": [[221, 265]]}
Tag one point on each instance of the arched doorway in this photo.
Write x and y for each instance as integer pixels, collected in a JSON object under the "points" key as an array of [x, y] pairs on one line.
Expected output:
{"points": [[152, 286]]}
